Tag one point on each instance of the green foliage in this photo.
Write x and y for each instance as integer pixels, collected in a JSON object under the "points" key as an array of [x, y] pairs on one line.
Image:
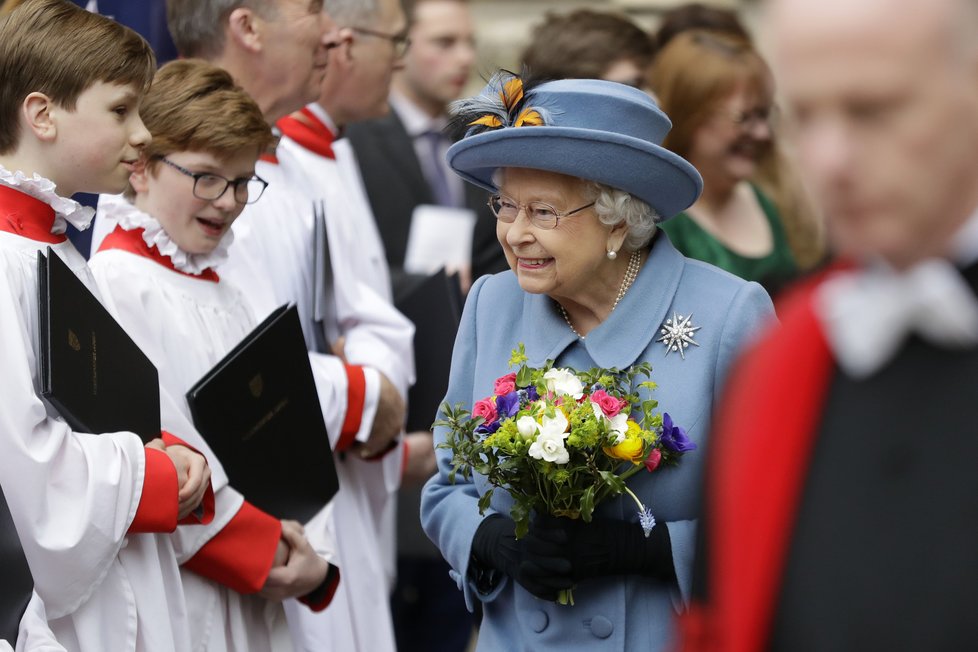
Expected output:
{"points": [[594, 468]]}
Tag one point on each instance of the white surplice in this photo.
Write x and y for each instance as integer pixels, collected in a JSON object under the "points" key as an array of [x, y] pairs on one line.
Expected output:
{"points": [[185, 325], [34, 634], [274, 259], [73, 496]]}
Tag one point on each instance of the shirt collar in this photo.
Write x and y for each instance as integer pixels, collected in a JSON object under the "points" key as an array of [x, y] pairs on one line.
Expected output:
{"points": [[66, 210], [118, 209], [318, 110], [415, 120]]}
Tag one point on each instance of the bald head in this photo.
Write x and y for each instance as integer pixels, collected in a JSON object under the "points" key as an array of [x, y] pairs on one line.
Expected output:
{"points": [[883, 97], [829, 21]]}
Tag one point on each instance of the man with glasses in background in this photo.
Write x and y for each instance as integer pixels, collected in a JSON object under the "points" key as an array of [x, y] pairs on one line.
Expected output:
{"points": [[401, 158], [312, 241]]}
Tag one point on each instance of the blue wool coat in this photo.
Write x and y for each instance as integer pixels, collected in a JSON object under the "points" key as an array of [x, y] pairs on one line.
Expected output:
{"points": [[625, 612]]}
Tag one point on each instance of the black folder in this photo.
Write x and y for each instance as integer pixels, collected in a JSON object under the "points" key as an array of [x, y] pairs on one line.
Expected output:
{"points": [[91, 371], [259, 410], [434, 304], [17, 585]]}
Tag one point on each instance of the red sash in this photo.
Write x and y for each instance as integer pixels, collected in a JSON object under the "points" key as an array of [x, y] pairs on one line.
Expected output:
{"points": [[309, 131], [132, 241], [26, 216], [765, 431]]}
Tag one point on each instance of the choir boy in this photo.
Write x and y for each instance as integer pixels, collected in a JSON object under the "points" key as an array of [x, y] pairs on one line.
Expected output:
{"points": [[85, 506]]}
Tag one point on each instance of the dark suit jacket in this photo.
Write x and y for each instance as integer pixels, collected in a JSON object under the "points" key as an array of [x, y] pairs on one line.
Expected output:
{"points": [[395, 184]]}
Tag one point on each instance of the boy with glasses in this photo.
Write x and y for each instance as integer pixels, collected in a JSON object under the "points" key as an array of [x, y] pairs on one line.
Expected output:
{"points": [[157, 274]]}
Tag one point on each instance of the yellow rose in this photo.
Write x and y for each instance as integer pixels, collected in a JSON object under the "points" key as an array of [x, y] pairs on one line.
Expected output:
{"points": [[631, 449]]}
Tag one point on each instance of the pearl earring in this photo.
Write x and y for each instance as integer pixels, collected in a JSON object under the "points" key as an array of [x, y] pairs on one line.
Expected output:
{"points": [[612, 254]]}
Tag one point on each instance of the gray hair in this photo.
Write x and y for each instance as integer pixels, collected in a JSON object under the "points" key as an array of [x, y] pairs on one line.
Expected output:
{"points": [[352, 13], [615, 206], [197, 26]]}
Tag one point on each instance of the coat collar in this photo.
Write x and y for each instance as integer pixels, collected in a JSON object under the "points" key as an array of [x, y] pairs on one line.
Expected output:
{"points": [[621, 339]]}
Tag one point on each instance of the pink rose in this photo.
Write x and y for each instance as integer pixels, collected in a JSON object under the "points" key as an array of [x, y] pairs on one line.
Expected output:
{"points": [[485, 409], [652, 461], [504, 385], [610, 405]]}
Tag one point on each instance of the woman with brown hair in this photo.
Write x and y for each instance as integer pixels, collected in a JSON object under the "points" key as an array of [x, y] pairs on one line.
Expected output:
{"points": [[719, 93]]}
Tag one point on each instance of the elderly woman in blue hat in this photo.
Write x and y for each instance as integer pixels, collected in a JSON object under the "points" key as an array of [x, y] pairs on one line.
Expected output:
{"points": [[579, 184]]}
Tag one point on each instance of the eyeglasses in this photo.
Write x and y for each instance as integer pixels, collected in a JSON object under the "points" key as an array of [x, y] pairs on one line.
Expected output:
{"points": [[211, 187], [401, 42], [542, 216], [765, 115]]}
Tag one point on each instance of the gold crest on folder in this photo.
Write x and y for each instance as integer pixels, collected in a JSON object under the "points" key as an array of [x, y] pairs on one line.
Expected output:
{"points": [[256, 385], [73, 341]]}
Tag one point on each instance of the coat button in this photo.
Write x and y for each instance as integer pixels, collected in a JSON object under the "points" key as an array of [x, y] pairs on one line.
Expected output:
{"points": [[601, 627], [539, 621]]}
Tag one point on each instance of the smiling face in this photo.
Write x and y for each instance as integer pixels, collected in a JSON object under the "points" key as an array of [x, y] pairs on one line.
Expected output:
{"points": [[98, 143], [195, 225], [568, 262], [731, 142]]}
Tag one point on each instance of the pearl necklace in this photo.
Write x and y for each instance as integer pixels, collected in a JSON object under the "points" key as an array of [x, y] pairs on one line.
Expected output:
{"points": [[631, 272]]}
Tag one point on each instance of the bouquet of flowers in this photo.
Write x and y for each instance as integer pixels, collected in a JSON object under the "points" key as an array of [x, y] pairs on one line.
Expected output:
{"points": [[560, 441]]}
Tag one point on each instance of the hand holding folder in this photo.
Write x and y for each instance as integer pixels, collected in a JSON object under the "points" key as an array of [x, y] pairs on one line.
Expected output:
{"points": [[97, 377], [259, 410]]}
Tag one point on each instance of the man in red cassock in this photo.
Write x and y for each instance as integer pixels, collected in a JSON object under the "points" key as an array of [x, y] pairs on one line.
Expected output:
{"points": [[841, 501]]}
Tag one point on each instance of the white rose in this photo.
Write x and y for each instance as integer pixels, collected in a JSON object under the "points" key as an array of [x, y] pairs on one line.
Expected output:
{"points": [[527, 427], [549, 444], [563, 381], [617, 424], [555, 425], [549, 447]]}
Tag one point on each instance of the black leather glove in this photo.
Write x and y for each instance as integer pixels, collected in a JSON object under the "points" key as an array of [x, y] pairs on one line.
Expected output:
{"points": [[495, 546], [600, 548]]}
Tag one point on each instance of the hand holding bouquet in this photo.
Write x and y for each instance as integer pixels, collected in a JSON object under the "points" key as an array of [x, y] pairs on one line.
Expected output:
{"points": [[560, 441]]}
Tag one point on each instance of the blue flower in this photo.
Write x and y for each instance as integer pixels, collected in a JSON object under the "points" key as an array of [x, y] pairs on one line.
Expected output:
{"points": [[508, 405], [647, 521], [528, 395], [487, 428], [673, 437]]}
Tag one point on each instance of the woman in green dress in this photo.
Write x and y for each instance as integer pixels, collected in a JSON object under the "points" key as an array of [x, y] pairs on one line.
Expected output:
{"points": [[719, 93]]}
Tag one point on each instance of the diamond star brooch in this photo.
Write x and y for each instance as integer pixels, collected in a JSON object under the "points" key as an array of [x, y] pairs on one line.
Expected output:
{"points": [[678, 333]]}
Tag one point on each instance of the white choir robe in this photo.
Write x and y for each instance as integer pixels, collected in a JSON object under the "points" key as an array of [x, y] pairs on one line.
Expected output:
{"points": [[185, 325], [73, 496], [273, 257], [34, 634], [185, 329]]}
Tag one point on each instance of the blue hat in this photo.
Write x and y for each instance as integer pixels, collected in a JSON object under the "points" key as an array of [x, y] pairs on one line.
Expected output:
{"points": [[587, 128]]}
